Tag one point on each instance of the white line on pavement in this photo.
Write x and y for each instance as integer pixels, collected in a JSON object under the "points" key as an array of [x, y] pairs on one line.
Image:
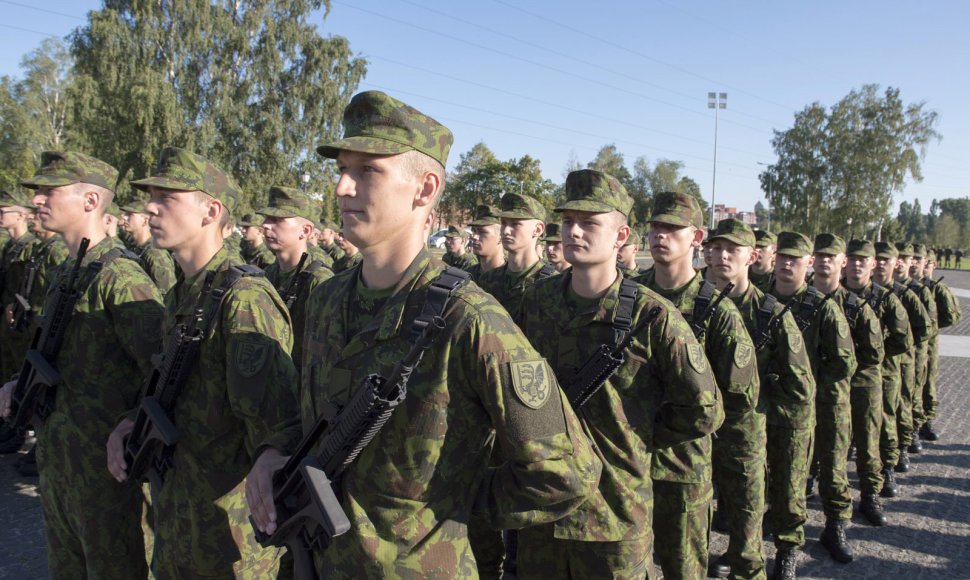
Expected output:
{"points": [[951, 345]]}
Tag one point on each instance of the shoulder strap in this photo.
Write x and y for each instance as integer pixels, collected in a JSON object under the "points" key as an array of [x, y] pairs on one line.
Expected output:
{"points": [[898, 289], [623, 321], [702, 301], [852, 307], [915, 286], [546, 271], [439, 292], [766, 312], [233, 275], [808, 307]]}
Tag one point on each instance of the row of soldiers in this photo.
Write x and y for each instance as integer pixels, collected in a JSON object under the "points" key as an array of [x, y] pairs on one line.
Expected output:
{"points": [[503, 426]]}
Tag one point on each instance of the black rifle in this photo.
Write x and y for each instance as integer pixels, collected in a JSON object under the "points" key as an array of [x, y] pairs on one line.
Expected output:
{"points": [[33, 397], [601, 365], [697, 322], [148, 448], [293, 288], [308, 511], [764, 334], [21, 306]]}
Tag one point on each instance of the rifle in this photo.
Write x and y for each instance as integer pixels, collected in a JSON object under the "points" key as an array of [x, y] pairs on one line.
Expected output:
{"points": [[33, 397], [765, 334], [292, 289], [21, 306], [307, 507], [697, 322], [148, 448], [601, 365]]}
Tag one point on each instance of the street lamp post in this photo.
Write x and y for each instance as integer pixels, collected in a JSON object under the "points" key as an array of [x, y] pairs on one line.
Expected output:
{"points": [[715, 101]]}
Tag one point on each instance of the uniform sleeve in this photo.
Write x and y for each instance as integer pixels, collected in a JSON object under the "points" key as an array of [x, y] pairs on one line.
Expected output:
{"points": [[837, 359], [789, 375], [929, 302], [731, 353], [161, 267], [919, 318], [869, 349], [897, 337]]}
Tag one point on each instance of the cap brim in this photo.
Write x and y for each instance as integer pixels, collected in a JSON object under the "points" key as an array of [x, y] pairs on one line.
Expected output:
{"points": [[886, 255], [731, 238], [861, 254], [485, 222], [277, 212], [589, 205], [827, 252], [517, 215], [47, 181], [132, 209], [164, 183], [792, 253], [372, 145], [666, 218]]}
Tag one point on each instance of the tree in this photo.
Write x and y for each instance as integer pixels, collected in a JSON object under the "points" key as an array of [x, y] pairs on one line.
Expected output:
{"points": [[17, 158], [43, 90], [946, 233], [609, 160], [249, 84]]}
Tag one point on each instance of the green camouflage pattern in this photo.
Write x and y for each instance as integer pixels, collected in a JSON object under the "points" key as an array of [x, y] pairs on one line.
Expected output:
{"points": [[764, 238], [832, 354], [250, 220], [183, 170], [904, 249], [241, 396], [793, 244], [464, 261], [762, 281], [919, 250], [159, 264], [259, 256], [923, 356], [456, 232], [885, 250], [347, 262], [733, 230], [559, 558], [93, 523], [66, 167], [14, 258], [287, 202], [656, 399], [334, 251], [49, 256], [864, 248], [509, 287], [921, 328], [320, 255], [382, 125], [595, 191], [486, 215], [679, 209], [830, 244], [410, 493], [9, 198], [521, 207], [319, 273], [552, 233]]}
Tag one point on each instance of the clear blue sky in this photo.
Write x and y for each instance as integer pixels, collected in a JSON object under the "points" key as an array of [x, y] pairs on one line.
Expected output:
{"points": [[559, 79]]}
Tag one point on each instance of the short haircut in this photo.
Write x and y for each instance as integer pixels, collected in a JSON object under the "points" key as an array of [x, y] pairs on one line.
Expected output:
{"points": [[203, 197], [415, 164]]}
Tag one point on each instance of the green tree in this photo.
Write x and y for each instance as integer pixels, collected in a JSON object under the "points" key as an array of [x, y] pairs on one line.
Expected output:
{"points": [[946, 232], [47, 73], [17, 156]]}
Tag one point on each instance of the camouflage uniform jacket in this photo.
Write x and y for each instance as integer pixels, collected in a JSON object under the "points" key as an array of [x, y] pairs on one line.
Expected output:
{"points": [[49, 258], [319, 254], [411, 491], [509, 287], [920, 323], [762, 281], [475, 271], [731, 354], [463, 261], [925, 294], [334, 251], [241, 395], [867, 338], [663, 395], [14, 259], [346, 263], [282, 281], [109, 342], [829, 346], [787, 384], [159, 264]]}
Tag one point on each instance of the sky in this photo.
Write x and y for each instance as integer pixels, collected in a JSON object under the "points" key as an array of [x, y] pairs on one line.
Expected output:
{"points": [[558, 80]]}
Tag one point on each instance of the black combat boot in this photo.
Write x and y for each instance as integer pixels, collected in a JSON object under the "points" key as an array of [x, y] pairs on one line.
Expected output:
{"points": [[915, 447], [871, 509], [810, 487], [784, 565], [889, 486], [833, 540], [902, 466], [719, 567], [928, 431], [720, 522]]}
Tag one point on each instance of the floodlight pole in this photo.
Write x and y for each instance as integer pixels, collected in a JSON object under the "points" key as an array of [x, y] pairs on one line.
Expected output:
{"points": [[715, 101], [768, 165]]}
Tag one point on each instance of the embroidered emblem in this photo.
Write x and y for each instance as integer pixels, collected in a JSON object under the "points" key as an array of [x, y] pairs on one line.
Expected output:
{"points": [[532, 382]]}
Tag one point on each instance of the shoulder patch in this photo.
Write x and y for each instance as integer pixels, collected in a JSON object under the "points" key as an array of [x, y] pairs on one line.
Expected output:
{"points": [[842, 327], [695, 354], [795, 342], [742, 355], [250, 357], [532, 382]]}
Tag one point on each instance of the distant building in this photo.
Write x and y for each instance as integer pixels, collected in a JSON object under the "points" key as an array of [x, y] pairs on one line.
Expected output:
{"points": [[722, 212]]}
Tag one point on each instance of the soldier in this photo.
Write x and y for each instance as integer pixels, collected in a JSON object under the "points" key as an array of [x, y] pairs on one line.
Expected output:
{"points": [[252, 249], [287, 223], [787, 395], [865, 392], [761, 273], [156, 261], [683, 473], [925, 315], [328, 239], [455, 241], [352, 255], [478, 375], [92, 524], [829, 346], [522, 221], [949, 313], [897, 341], [927, 293], [626, 260], [486, 241], [553, 243], [112, 220], [16, 255]]}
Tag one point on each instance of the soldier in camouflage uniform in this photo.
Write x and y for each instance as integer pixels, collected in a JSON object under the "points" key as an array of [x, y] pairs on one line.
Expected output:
{"points": [[787, 395], [568, 317], [92, 523], [865, 392], [897, 341], [287, 223], [921, 308], [552, 238], [456, 255], [928, 402], [949, 313], [761, 273], [157, 262], [252, 249], [352, 255], [328, 239], [683, 473], [486, 241], [14, 259], [411, 491], [239, 395], [112, 221], [626, 260], [522, 223], [829, 346]]}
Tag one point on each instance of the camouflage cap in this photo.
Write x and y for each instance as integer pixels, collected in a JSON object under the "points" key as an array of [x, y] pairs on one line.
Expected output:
{"points": [[249, 220], [186, 171], [285, 202], [733, 230], [794, 244], [382, 125], [327, 224], [886, 250], [552, 233], [595, 191], [114, 210], [904, 248], [456, 232], [9, 198], [919, 250], [66, 167], [678, 209], [485, 215], [764, 238], [522, 207], [135, 206], [863, 248], [829, 244]]}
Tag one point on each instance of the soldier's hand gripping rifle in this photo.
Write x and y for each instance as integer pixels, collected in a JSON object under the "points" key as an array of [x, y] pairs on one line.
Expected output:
{"points": [[21, 305], [308, 510], [293, 288], [601, 365], [148, 448], [33, 397]]}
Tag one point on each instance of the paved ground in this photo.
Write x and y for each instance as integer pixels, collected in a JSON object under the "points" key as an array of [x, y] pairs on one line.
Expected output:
{"points": [[928, 536]]}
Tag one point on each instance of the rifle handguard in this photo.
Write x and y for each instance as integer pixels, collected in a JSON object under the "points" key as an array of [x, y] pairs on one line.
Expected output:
{"points": [[146, 449], [32, 400]]}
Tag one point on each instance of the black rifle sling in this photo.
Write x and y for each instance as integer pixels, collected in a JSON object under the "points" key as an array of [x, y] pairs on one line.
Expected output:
{"points": [[546, 271], [439, 292], [853, 305], [303, 278], [623, 321], [808, 308], [702, 310], [765, 313]]}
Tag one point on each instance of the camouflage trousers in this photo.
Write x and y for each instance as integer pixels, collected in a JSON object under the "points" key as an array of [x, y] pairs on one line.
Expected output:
{"points": [[932, 374], [544, 557], [739, 471], [866, 429], [833, 425], [789, 451], [682, 514], [888, 437], [922, 368], [904, 415], [13, 348], [487, 546]]}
